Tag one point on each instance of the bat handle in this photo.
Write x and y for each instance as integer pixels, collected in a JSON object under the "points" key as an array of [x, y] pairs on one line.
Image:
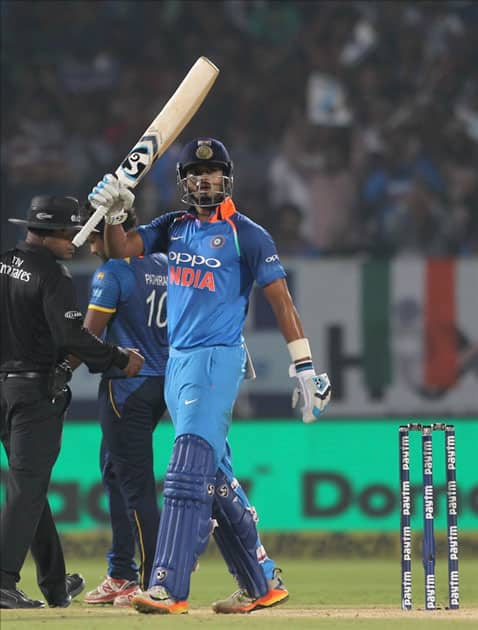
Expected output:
{"points": [[250, 371], [89, 226]]}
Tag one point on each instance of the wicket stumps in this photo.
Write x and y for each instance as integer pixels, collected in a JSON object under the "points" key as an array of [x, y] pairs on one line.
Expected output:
{"points": [[428, 542]]}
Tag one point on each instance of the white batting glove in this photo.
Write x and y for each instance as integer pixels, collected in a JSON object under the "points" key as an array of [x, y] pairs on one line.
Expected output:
{"points": [[114, 196], [313, 390]]}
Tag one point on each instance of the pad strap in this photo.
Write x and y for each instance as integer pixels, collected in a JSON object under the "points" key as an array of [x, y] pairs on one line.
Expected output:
{"points": [[185, 524], [236, 537]]}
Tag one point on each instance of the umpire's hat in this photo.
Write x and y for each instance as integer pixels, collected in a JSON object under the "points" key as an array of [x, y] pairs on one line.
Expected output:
{"points": [[48, 212]]}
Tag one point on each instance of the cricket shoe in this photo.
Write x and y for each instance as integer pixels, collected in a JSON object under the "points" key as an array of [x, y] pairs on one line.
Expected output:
{"points": [[15, 598], [157, 600], [74, 583], [109, 590], [125, 600], [240, 602]]}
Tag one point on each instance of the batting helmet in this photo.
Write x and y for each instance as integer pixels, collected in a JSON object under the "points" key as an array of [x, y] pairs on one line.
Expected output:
{"points": [[204, 152]]}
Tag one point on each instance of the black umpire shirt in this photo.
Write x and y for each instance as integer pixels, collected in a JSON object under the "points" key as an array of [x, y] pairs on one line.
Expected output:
{"points": [[40, 320]]}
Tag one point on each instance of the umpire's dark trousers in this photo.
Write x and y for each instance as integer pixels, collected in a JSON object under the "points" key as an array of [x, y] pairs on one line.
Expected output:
{"points": [[31, 427]]}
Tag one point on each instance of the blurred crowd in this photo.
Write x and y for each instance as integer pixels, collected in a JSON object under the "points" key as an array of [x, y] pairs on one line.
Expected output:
{"points": [[353, 126]]}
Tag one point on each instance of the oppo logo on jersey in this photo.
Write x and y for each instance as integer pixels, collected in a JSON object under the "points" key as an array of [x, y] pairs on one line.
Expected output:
{"points": [[188, 276], [193, 260]]}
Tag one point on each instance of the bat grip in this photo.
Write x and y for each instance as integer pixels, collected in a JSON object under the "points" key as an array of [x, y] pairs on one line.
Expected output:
{"points": [[89, 226]]}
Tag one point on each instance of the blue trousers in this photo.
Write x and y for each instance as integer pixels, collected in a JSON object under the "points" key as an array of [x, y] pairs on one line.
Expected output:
{"points": [[129, 411], [201, 388]]}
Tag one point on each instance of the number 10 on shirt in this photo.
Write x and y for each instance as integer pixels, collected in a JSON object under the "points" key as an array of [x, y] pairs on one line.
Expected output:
{"points": [[156, 312]]}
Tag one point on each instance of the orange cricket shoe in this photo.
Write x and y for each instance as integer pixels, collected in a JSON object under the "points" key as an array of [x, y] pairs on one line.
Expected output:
{"points": [[157, 600], [240, 602]]}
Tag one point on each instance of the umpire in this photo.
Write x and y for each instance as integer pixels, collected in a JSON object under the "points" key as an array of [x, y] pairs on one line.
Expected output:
{"points": [[41, 326]]}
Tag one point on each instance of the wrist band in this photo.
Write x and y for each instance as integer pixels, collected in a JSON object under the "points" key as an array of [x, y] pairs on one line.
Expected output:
{"points": [[299, 350]]}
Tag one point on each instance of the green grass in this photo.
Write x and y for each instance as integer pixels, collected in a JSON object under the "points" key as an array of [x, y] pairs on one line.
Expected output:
{"points": [[325, 594]]}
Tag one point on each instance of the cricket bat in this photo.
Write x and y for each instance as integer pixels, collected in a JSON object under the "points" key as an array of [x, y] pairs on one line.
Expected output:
{"points": [[161, 133]]}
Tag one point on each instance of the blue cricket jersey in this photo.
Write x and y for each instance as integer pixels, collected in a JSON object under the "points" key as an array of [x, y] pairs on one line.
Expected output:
{"points": [[134, 291], [212, 267]]}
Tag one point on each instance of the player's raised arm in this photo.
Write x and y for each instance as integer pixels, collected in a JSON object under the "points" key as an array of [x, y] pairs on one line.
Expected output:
{"points": [[110, 193], [121, 244]]}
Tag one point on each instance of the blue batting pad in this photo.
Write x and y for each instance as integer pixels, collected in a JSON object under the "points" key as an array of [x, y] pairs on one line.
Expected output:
{"points": [[185, 524], [236, 537], [268, 565]]}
